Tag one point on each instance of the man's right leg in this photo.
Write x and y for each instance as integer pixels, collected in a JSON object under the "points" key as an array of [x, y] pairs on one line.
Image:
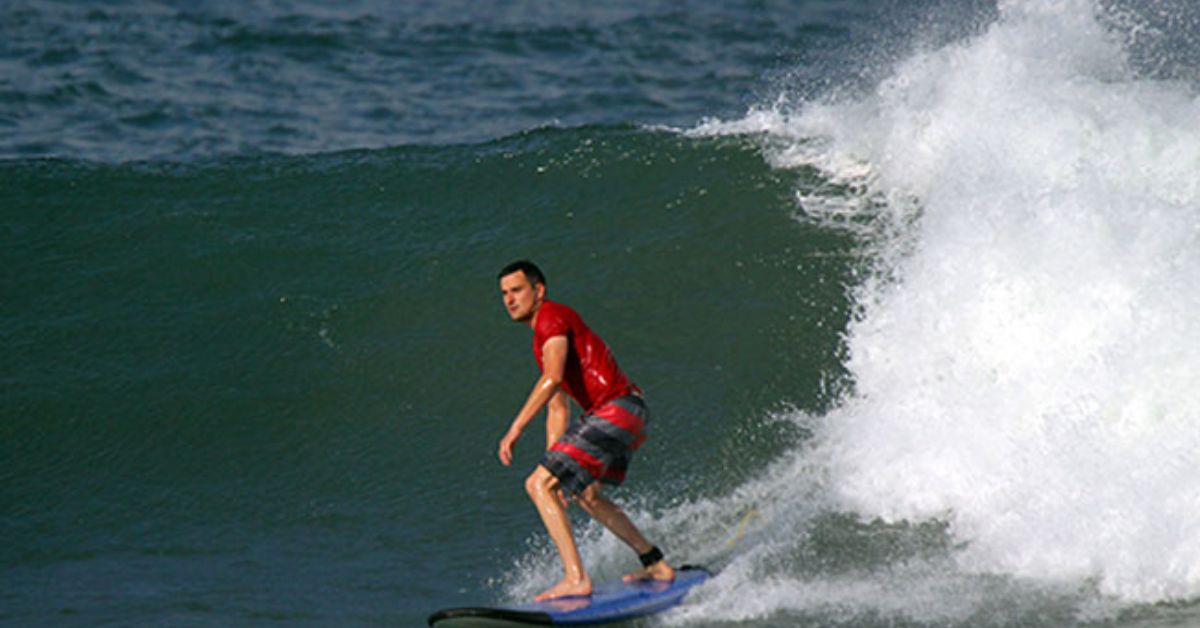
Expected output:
{"points": [[612, 517], [542, 487]]}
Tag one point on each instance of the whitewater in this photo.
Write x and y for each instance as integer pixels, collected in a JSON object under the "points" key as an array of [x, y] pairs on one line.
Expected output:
{"points": [[1023, 367]]}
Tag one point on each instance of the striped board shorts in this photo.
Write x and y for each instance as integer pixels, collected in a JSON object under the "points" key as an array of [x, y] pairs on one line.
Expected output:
{"points": [[599, 445]]}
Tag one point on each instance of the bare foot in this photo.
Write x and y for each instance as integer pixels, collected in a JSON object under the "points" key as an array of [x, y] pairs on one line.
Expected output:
{"points": [[566, 588], [658, 571]]}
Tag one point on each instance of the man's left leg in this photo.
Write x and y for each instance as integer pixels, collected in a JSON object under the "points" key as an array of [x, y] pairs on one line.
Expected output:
{"points": [[614, 518]]}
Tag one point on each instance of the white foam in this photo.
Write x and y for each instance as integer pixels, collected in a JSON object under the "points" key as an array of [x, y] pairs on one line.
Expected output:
{"points": [[1028, 368]]}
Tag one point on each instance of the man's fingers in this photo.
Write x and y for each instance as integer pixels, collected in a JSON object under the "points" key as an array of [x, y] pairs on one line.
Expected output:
{"points": [[505, 452]]}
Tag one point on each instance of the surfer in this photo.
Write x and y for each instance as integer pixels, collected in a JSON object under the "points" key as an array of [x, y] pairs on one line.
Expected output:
{"points": [[595, 449]]}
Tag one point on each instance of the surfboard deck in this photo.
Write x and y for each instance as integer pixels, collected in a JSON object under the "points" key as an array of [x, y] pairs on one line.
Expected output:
{"points": [[609, 602]]}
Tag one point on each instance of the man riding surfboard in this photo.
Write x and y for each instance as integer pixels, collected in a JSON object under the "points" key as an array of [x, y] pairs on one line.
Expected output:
{"points": [[595, 449]]}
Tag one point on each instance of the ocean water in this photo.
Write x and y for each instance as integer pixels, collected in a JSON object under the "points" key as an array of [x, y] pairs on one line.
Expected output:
{"points": [[910, 287]]}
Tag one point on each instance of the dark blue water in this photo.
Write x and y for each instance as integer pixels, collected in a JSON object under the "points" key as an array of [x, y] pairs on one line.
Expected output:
{"points": [[141, 80]]}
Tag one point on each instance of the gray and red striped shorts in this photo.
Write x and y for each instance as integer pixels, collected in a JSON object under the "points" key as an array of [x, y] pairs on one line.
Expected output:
{"points": [[599, 445]]}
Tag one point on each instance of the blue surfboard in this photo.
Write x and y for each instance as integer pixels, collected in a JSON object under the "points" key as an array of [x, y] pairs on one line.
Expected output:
{"points": [[609, 602]]}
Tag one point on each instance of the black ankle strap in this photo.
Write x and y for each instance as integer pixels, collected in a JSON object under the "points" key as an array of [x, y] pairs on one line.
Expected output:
{"points": [[651, 557]]}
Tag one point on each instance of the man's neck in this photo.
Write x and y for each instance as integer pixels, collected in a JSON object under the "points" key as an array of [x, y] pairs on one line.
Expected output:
{"points": [[537, 309]]}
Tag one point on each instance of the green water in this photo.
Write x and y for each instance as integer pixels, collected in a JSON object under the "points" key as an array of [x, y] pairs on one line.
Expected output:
{"points": [[269, 375]]}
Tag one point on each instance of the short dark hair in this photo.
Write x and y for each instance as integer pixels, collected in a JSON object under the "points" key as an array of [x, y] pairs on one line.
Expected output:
{"points": [[532, 272]]}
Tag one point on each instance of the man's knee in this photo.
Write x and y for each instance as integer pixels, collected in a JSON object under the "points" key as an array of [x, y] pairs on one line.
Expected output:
{"points": [[540, 482], [589, 498]]}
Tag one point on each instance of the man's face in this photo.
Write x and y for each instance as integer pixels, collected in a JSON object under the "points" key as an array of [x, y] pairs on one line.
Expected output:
{"points": [[521, 298]]}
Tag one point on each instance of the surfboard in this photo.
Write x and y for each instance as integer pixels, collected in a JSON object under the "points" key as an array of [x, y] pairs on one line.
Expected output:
{"points": [[609, 602]]}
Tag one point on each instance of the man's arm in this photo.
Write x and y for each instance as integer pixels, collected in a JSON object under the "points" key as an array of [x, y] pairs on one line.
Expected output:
{"points": [[558, 415], [554, 362]]}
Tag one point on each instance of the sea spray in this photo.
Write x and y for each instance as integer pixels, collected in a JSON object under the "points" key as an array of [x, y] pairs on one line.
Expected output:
{"points": [[1030, 373], [1024, 361]]}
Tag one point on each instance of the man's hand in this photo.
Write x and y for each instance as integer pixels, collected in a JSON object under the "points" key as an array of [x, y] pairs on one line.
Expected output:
{"points": [[506, 446]]}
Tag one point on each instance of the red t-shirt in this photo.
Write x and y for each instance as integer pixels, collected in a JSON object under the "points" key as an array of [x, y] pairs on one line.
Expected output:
{"points": [[592, 376]]}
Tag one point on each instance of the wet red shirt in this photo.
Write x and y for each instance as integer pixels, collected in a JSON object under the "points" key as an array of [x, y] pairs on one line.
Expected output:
{"points": [[592, 376]]}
